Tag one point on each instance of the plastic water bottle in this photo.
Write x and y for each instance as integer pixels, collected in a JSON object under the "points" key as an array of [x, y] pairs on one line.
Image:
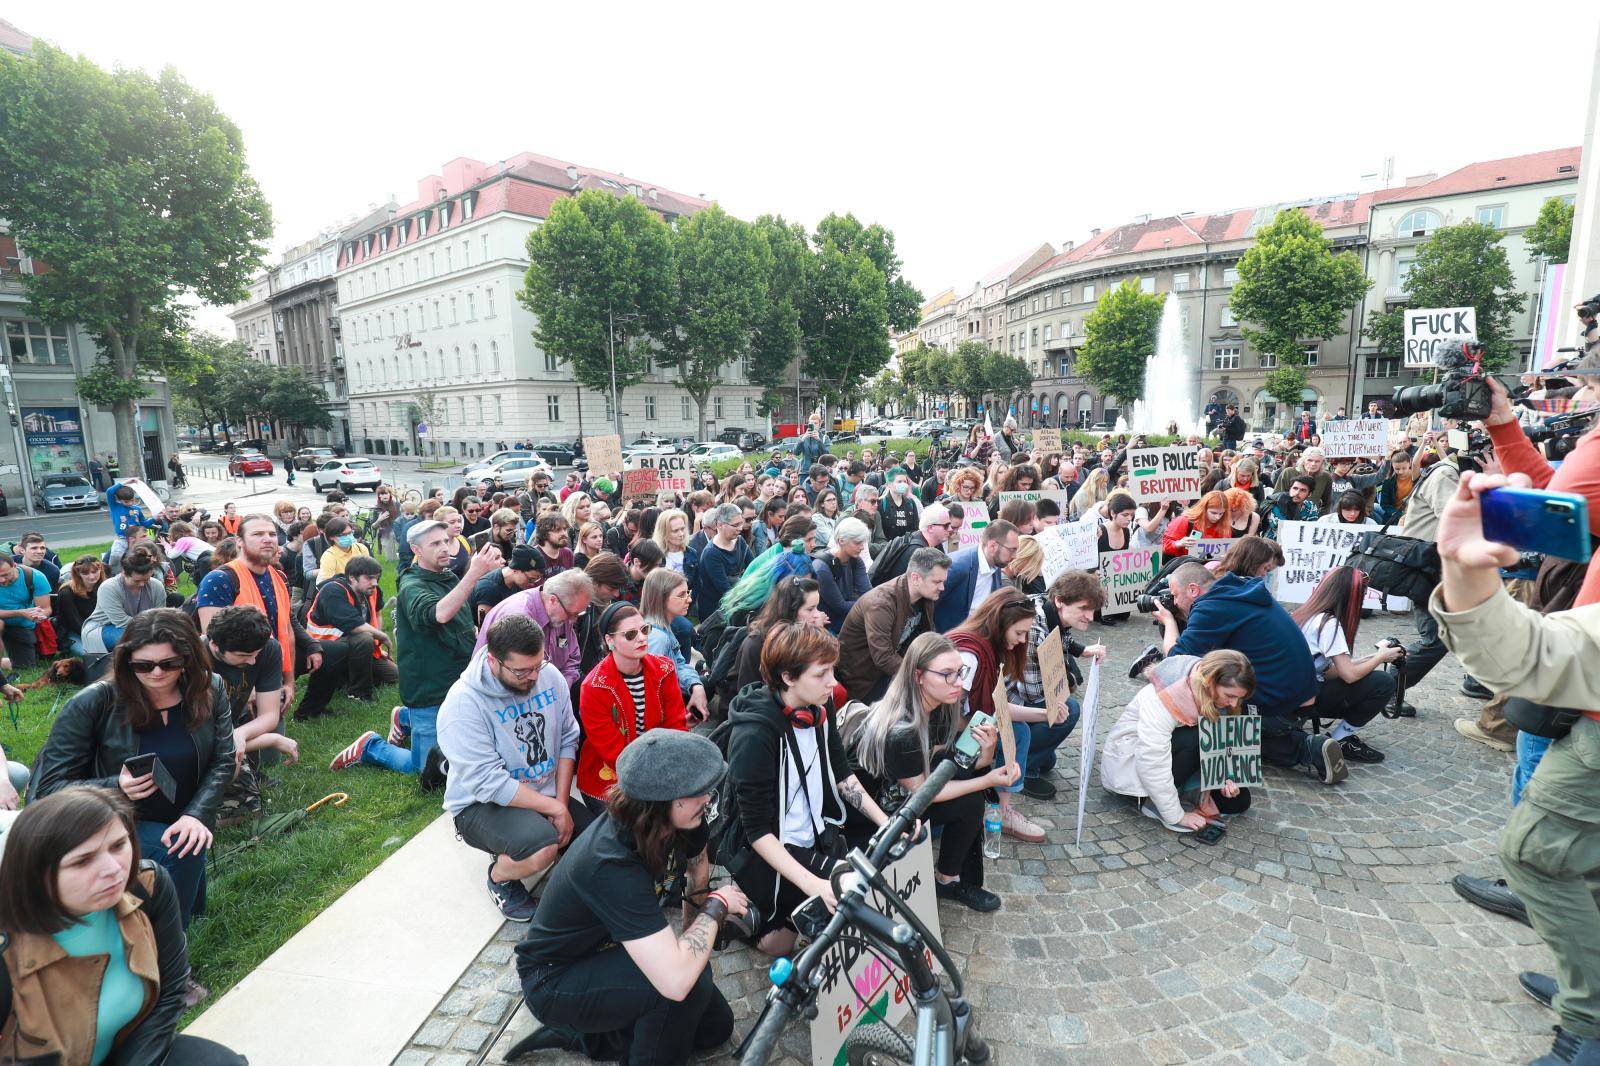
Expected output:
{"points": [[991, 831]]}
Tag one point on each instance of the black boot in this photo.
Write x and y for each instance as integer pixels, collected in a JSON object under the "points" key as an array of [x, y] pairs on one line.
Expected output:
{"points": [[1491, 896]]}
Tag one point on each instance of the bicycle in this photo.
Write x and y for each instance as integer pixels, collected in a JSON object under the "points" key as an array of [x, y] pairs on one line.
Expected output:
{"points": [[947, 1025], [366, 531]]}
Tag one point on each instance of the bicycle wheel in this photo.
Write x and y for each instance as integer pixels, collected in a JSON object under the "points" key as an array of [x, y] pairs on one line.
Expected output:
{"points": [[411, 494], [875, 1045]]}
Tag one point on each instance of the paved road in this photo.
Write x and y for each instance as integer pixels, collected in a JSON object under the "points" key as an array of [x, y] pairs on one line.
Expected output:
{"points": [[1322, 929]]}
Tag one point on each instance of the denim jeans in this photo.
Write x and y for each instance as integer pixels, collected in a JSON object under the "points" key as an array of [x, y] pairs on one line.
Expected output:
{"points": [[1530, 749], [188, 873], [424, 733], [75, 645], [1024, 738], [1045, 739]]}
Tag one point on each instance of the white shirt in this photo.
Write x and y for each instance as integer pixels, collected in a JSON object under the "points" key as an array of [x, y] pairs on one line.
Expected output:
{"points": [[1325, 636], [800, 820], [987, 581], [675, 561]]}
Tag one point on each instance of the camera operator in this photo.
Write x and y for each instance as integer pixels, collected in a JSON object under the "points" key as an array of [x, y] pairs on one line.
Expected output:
{"points": [[1550, 847]]}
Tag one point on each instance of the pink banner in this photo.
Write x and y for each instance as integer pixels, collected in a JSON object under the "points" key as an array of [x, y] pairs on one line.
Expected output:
{"points": [[1550, 318]]}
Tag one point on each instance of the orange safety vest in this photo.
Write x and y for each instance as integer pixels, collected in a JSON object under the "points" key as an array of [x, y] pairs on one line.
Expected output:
{"points": [[230, 524], [322, 632], [250, 596]]}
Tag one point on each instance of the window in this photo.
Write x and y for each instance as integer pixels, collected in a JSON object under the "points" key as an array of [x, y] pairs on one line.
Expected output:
{"points": [[1088, 294], [610, 411], [1225, 358], [1383, 366], [476, 367], [1310, 352], [401, 266], [1180, 282], [34, 342], [1147, 284], [716, 408], [489, 295], [1035, 303], [449, 259], [437, 323], [683, 408], [1047, 334], [406, 317], [454, 318], [472, 307], [460, 369], [1268, 360], [1228, 321], [1402, 271], [498, 416], [749, 407], [486, 247], [1230, 275], [1033, 337], [388, 278], [494, 356], [1013, 342], [550, 362], [1417, 224], [1047, 301], [466, 207], [649, 408], [1493, 215], [433, 264]]}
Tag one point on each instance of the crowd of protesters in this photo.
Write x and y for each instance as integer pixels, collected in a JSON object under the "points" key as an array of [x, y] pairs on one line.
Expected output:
{"points": [[737, 682]]}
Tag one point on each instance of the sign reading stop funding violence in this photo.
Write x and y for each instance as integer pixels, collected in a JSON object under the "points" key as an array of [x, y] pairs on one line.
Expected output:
{"points": [[1310, 550], [1355, 438], [1157, 475], [1431, 330], [1123, 575], [1230, 750]]}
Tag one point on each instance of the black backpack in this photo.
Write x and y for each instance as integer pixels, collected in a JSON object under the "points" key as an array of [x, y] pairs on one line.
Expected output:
{"points": [[722, 671], [891, 562]]}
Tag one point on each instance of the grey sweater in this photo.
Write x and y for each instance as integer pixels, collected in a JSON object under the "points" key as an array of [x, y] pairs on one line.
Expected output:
{"points": [[115, 604], [497, 739]]}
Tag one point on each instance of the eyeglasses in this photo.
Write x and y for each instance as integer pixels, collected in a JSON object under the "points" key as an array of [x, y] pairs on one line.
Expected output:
{"points": [[150, 666], [949, 677], [635, 634], [520, 675]]}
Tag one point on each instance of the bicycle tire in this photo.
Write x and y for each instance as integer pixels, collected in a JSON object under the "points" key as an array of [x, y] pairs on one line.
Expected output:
{"points": [[411, 495], [874, 1044]]}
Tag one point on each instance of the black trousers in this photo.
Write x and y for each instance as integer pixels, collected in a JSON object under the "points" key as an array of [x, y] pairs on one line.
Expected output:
{"points": [[1357, 703], [347, 663], [21, 647], [198, 1051], [961, 842], [609, 1002], [1186, 763]]}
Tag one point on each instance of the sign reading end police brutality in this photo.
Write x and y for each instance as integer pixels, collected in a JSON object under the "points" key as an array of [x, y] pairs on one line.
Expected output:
{"points": [[1431, 330], [1157, 475], [1230, 750]]}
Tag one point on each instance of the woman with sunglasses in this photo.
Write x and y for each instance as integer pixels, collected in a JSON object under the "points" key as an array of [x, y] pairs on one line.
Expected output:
{"points": [[160, 700], [629, 693]]}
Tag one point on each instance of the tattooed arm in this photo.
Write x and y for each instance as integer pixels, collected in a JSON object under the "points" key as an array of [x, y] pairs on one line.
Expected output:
{"points": [[850, 788], [673, 962]]}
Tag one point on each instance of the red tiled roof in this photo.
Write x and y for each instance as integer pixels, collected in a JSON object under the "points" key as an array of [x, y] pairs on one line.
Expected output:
{"points": [[1492, 174], [13, 38]]}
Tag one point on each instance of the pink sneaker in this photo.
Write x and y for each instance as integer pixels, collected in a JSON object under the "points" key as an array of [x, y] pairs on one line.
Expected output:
{"points": [[1015, 824], [352, 755], [399, 732]]}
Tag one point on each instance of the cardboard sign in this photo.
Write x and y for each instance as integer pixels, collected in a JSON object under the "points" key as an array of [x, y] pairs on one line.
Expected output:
{"points": [[638, 485], [1002, 720], [604, 454], [1068, 546], [1062, 500], [1052, 655], [1156, 475], [1430, 330], [1087, 729], [1230, 750], [858, 988], [1046, 441], [1355, 438], [1123, 575], [147, 496], [975, 515], [672, 471], [1207, 548], [1310, 550]]}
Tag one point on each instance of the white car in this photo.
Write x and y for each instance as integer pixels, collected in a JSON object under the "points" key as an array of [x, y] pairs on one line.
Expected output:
{"points": [[899, 428], [346, 475], [498, 457], [660, 447], [711, 451], [509, 473]]}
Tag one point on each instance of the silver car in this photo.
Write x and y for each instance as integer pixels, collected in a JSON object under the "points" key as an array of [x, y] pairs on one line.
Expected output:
{"points": [[66, 492]]}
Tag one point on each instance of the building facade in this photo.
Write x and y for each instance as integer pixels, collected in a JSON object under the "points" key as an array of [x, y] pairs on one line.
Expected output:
{"points": [[440, 355], [252, 319]]}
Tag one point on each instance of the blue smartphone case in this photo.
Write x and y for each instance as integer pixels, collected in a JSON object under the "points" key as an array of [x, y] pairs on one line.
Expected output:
{"points": [[1537, 520]]}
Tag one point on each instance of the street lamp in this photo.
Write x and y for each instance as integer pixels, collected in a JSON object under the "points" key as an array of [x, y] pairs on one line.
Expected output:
{"points": [[611, 355]]}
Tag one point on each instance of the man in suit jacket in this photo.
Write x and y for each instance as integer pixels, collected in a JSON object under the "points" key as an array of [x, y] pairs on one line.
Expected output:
{"points": [[974, 573]]}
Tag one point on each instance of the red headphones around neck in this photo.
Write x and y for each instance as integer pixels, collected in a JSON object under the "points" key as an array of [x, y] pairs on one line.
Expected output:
{"points": [[805, 717]]}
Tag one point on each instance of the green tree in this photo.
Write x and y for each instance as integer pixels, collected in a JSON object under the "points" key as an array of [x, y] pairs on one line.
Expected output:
{"points": [[854, 295], [967, 372], [197, 394], [776, 342], [1463, 265], [600, 262], [295, 401], [1006, 375], [1292, 287], [1119, 339], [888, 388], [133, 191], [242, 394], [721, 277], [425, 409], [1550, 236]]}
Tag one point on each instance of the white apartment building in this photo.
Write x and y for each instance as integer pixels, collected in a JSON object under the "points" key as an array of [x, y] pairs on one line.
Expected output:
{"points": [[428, 305], [252, 320]]}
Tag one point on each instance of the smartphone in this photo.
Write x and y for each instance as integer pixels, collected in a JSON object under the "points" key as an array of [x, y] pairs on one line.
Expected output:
{"points": [[967, 747], [811, 917], [1538, 520], [150, 763], [1211, 833]]}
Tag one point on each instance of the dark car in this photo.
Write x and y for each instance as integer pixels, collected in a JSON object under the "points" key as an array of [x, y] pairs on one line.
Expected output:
{"points": [[555, 452], [750, 440], [730, 435], [311, 458]]}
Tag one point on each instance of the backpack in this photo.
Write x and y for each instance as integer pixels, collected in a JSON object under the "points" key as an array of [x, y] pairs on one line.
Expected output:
{"points": [[721, 813], [892, 562]]}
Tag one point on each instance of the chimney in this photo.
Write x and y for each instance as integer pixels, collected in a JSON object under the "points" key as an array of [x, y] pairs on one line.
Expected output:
{"points": [[572, 172]]}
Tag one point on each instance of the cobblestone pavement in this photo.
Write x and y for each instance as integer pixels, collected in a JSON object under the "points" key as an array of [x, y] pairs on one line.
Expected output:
{"points": [[1322, 929]]}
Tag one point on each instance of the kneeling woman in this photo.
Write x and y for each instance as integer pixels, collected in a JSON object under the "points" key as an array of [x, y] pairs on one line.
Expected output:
{"points": [[96, 960], [914, 726], [790, 780], [1155, 746], [654, 1000], [1352, 691]]}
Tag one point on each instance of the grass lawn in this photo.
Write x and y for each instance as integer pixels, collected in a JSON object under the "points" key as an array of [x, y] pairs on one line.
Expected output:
{"points": [[260, 897]]}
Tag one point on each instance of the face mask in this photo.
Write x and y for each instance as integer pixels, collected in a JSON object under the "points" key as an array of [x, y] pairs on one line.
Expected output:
{"points": [[347, 541], [897, 487]]}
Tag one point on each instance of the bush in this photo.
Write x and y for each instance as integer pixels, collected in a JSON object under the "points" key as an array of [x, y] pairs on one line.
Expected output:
{"points": [[920, 445]]}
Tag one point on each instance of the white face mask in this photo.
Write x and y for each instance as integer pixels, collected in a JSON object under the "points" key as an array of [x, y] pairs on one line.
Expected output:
{"points": [[897, 487]]}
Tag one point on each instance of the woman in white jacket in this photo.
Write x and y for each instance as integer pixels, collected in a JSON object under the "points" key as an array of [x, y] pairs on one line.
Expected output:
{"points": [[1155, 746]]}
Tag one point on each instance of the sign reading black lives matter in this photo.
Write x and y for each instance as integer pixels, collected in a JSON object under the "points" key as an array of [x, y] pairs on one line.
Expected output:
{"points": [[1157, 475], [1431, 330], [1230, 750], [672, 471]]}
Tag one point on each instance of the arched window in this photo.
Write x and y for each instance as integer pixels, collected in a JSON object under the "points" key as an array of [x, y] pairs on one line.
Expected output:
{"points": [[1085, 408], [459, 370], [494, 356], [397, 370], [1418, 223], [476, 368], [479, 404]]}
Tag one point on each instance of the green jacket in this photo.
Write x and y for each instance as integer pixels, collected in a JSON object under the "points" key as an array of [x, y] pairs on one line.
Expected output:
{"points": [[430, 654]]}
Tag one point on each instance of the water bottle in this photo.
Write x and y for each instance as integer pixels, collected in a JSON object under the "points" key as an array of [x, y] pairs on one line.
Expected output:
{"points": [[991, 831]]}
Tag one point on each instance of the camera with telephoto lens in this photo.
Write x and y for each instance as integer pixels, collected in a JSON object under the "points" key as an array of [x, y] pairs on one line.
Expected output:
{"points": [[1461, 392], [1560, 435], [1147, 602]]}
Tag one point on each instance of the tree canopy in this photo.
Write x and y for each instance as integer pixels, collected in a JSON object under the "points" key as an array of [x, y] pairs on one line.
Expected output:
{"points": [[133, 192], [222, 383], [1119, 339], [1550, 236]]}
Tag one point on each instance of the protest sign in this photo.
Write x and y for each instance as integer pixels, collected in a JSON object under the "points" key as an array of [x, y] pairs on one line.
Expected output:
{"points": [[974, 516], [672, 471], [1046, 441], [147, 496], [1068, 546], [1431, 330], [1053, 674], [1157, 475], [638, 484], [1230, 750], [1123, 575], [1207, 548], [1355, 437], [1310, 550], [1087, 723], [604, 454], [1002, 720], [1035, 495], [857, 986]]}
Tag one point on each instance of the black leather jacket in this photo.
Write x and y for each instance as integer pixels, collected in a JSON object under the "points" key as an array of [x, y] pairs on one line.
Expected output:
{"points": [[91, 738]]}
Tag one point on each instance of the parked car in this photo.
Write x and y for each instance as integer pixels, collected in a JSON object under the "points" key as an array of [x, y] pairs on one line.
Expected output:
{"points": [[66, 492], [511, 453], [685, 445], [248, 464], [653, 446], [346, 475], [731, 435], [645, 441], [928, 426], [712, 451], [555, 452], [511, 473], [751, 440], [254, 444], [311, 458], [899, 427]]}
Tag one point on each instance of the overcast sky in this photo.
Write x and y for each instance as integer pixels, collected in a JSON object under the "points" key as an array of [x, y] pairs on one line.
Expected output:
{"points": [[973, 131]]}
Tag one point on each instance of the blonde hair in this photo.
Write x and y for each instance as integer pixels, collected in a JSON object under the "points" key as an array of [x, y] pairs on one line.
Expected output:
{"points": [[569, 506], [1029, 560], [664, 524], [1218, 668]]}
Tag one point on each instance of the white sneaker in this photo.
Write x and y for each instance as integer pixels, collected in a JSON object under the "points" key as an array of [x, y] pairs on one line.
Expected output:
{"points": [[1148, 809]]}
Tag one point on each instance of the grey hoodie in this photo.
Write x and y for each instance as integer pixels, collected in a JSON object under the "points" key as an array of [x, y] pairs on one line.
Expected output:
{"points": [[497, 739]]}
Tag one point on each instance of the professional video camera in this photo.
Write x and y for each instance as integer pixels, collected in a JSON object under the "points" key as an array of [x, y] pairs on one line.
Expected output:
{"points": [[1462, 391], [1560, 435]]}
